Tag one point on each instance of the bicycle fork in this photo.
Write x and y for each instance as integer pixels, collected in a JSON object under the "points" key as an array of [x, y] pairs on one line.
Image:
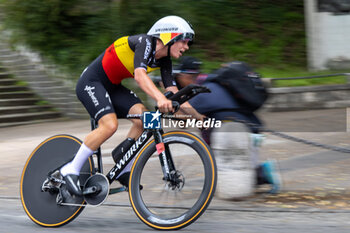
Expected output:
{"points": [[173, 177]]}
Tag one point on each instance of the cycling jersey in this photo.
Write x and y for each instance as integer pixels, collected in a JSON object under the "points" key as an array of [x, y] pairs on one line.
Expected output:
{"points": [[99, 87], [131, 52]]}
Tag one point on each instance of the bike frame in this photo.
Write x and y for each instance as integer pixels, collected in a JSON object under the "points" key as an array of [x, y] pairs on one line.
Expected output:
{"points": [[166, 161], [163, 151]]}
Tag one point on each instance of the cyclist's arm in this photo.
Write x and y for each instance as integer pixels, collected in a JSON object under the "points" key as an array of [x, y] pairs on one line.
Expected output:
{"points": [[146, 84], [173, 89], [186, 108]]}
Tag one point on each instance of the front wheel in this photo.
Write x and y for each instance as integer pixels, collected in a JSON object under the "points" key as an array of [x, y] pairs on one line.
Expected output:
{"points": [[171, 205]]}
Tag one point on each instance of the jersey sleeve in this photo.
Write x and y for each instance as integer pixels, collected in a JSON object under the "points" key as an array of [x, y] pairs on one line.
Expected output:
{"points": [[166, 72], [143, 51]]}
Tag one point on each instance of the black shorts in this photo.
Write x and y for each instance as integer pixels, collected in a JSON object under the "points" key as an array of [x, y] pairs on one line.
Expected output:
{"points": [[100, 97]]}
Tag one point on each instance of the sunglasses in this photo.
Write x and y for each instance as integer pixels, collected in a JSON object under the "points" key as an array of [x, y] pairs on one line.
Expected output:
{"points": [[185, 37]]}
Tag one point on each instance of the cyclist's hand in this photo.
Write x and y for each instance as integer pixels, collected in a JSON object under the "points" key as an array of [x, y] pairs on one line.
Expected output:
{"points": [[200, 117], [165, 105]]}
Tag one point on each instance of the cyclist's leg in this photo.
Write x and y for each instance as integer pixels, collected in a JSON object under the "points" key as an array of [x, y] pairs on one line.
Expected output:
{"points": [[107, 126], [266, 171], [94, 96], [134, 132], [39, 189], [126, 102], [137, 127]]}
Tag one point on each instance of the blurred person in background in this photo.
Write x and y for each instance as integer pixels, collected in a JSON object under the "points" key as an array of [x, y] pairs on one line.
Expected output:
{"points": [[106, 99], [221, 105]]}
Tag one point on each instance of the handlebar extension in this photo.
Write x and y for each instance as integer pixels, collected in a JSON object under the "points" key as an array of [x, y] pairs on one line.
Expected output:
{"points": [[185, 94]]}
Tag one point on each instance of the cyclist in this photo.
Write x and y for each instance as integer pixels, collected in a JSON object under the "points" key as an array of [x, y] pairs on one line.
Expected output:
{"points": [[106, 99], [187, 72]]}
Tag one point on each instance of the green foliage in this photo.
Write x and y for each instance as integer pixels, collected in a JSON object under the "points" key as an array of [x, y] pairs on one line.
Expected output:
{"points": [[290, 71], [74, 32], [310, 82], [21, 83], [63, 30], [42, 103]]}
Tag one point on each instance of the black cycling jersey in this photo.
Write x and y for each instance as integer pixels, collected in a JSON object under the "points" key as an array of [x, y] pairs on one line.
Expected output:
{"points": [[99, 87], [138, 51]]}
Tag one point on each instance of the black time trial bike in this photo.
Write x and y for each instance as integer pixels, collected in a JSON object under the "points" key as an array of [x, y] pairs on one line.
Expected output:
{"points": [[172, 179]]}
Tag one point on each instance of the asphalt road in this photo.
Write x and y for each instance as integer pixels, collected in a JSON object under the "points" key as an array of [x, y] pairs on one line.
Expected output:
{"points": [[109, 218]]}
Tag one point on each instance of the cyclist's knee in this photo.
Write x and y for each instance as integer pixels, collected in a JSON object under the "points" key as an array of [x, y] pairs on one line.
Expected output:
{"points": [[137, 123], [137, 109], [109, 124]]}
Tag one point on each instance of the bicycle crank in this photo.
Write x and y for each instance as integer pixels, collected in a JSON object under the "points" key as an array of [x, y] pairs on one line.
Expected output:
{"points": [[96, 189]]}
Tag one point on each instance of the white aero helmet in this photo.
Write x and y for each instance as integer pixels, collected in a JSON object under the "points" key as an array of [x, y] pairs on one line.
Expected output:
{"points": [[171, 29]]}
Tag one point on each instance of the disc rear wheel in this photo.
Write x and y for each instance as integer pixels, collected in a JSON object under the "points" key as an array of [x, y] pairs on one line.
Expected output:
{"points": [[39, 202]]}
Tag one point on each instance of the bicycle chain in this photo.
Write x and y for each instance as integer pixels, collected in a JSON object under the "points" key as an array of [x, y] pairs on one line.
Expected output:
{"points": [[292, 138]]}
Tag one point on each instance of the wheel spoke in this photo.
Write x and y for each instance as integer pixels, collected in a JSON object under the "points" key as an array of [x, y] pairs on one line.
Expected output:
{"points": [[167, 203]]}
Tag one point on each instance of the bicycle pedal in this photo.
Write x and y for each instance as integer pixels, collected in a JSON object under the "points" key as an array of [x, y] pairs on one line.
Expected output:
{"points": [[50, 187], [59, 199], [53, 182]]}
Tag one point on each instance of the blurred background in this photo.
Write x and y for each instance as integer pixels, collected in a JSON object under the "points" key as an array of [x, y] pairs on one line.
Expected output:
{"points": [[269, 33], [279, 37]]}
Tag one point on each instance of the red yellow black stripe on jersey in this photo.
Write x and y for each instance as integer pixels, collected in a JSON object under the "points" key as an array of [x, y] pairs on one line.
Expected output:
{"points": [[118, 61]]}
